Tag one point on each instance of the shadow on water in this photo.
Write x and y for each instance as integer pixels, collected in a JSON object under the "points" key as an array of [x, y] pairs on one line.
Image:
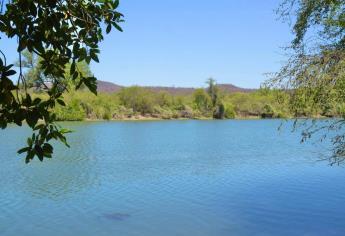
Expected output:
{"points": [[116, 216], [59, 179]]}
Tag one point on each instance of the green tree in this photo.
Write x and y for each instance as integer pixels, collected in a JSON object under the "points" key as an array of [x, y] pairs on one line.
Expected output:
{"points": [[219, 112], [217, 104], [212, 90], [59, 32], [316, 68], [138, 99]]}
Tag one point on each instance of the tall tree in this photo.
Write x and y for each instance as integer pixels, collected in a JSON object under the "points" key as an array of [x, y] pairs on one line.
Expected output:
{"points": [[212, 90], [214, 93], [59, 32], [315, 71]]}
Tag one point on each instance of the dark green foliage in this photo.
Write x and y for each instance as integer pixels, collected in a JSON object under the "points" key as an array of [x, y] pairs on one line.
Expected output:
{"points": [[59, 33], [268, 111], [219, 112]]}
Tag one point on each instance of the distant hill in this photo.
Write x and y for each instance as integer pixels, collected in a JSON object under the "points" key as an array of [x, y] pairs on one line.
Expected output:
{"points": [[233, 89], [171, 90], [108, 87]]}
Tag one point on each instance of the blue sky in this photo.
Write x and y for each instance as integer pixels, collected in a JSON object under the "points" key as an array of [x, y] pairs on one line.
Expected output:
{"points": [[184, 42]]}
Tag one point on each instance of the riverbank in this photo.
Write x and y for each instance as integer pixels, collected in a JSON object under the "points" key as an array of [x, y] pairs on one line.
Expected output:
{"points": [[145, 118], [140, 104]]}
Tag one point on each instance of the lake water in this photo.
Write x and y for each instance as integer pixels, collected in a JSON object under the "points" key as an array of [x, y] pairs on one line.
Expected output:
{"points": [[172, 178]]}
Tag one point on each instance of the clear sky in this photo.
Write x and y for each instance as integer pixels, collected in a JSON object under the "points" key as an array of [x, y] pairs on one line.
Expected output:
{"points": [[184, 42]]}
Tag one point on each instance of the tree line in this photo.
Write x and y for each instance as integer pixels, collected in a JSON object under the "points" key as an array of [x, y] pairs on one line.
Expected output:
{"points": [[210, 102], [142, 103]]}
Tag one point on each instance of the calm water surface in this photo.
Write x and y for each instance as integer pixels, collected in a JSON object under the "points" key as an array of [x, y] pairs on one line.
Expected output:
{"points": [[172, 178]]}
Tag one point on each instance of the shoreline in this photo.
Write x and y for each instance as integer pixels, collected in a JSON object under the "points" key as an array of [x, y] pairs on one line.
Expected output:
{"points": [[196, 119]]}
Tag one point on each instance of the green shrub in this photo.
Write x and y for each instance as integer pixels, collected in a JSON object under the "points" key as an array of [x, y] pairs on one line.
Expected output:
{"points": [[137, 98], [202, 101], [267, 112], [230, 112], [341, 110], [71, 112], [107, 115]]}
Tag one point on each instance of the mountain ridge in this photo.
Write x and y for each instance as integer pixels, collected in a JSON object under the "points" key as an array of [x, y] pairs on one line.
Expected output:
{"points": [[109, 87]]}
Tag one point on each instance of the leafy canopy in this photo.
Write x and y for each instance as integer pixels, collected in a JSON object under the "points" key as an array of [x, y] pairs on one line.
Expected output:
{"points": [[314, 74], [59, 33]]}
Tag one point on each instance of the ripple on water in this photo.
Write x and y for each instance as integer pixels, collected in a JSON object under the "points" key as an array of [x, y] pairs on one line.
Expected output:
{"points": [[172, 178]]}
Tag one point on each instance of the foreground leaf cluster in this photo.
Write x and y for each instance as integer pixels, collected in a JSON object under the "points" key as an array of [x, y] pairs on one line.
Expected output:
{"points": [[59, 33]]}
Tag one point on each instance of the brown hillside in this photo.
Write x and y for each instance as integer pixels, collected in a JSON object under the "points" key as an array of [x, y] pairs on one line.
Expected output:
{"points": [[108, 87]]}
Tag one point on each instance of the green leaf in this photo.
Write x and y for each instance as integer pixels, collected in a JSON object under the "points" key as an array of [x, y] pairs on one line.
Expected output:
{"points": [[116, 4], [61, 102], [30, 155], [75, 75], [36, 101], [72, 70], [29, 142], [117, 27], [10, 72], [39, 152], [94, 57], [40, 126], [26, 149], [88, 59], [22, 45], [65, 131], [108, 29], [47, 149], [32, 119]]}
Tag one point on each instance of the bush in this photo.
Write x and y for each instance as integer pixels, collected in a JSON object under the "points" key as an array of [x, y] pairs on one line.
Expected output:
{"points": [[230, 112], [202, 101], [71, 112], [107, 115], [341, 110], [268, 111], [160, 112], [187, 112], [137, 98]]}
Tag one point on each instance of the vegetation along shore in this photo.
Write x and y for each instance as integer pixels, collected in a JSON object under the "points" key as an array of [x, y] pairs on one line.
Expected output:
{"points": [[212, 102]]}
